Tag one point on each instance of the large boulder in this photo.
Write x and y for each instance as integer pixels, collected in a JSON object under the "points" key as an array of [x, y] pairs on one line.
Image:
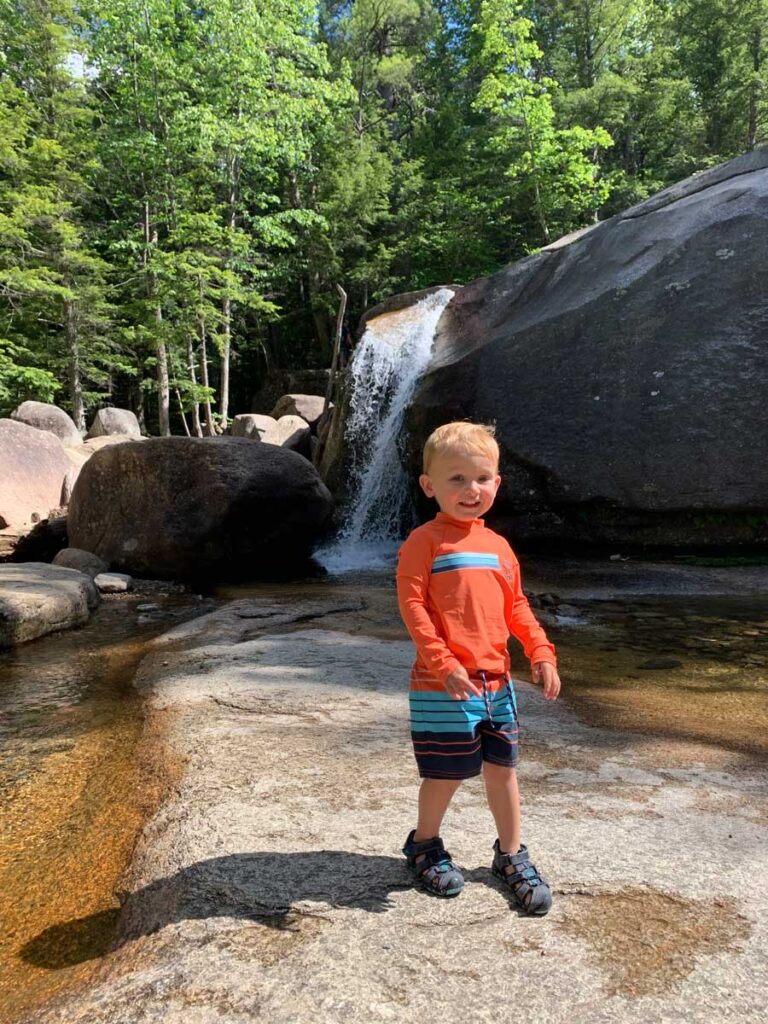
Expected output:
{"points": [[36, 599], [204, 509], [33, 465], [44, 416], [111, 421], [252, 424], [309, 407], [625, 370]]}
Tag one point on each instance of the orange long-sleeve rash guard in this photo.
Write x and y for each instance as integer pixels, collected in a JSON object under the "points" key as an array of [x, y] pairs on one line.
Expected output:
{"points": [[461, 596]]}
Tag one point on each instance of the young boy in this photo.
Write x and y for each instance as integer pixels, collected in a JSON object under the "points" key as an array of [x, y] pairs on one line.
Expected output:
{"points": [[460, 596]]}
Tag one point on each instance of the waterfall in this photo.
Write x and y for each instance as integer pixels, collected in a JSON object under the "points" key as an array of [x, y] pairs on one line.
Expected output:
{"points": [[387, 364]]}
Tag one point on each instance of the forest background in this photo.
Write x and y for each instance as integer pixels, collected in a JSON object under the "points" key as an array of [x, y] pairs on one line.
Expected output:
{"points": [[182, 185]]}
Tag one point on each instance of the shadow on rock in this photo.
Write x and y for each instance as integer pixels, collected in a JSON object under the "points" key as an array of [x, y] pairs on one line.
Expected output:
{"points": [[258, 886]]}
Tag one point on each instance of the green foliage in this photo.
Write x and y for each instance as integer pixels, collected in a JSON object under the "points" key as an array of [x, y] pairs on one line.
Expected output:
{"points": [[551, 170], [183, 186]]}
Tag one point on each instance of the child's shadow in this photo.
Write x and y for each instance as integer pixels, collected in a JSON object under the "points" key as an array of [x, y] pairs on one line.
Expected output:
{"points": [[257, 886]]}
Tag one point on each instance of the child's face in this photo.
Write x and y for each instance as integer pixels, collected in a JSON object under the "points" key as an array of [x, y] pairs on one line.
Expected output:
{"points": [[464, 484]]}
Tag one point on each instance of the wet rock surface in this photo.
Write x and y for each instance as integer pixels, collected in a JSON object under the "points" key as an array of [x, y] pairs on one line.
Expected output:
{"points": [[271, 885]]}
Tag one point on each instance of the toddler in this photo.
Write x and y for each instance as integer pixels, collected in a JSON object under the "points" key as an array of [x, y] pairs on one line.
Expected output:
{"points": [[460, 596]]}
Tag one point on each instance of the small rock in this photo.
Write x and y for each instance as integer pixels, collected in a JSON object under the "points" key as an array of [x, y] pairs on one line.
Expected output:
{"points": [[567, 609], [548, 600], [660, 663], [113, 582], [83, 561], [148, 607]]}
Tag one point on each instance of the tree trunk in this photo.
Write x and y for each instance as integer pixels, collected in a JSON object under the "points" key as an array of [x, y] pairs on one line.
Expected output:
{"points": [[181, 412], [75, 380], [163, 384], [139, 409], [196, 425], [209, 427], [234, 171], [336, 346], [225, 354]]}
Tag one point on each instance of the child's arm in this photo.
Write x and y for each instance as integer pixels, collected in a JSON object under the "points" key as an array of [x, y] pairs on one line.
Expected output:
{"points": [[413, 569], [524, 626]]}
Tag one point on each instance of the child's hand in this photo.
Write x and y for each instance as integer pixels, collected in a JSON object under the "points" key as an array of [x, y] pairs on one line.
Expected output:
{"points": [[547, 676], [458, 683]]}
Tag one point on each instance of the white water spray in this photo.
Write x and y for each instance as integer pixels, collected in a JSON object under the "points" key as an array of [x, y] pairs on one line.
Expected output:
{"points": [[391, 356]]}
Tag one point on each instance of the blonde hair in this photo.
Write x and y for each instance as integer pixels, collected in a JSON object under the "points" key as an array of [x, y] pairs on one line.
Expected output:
{"points": [[460, 436]]}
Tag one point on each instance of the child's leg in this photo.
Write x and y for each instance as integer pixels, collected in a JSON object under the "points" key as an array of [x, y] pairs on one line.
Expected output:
{"points": [[504, 802], [434, 797]]}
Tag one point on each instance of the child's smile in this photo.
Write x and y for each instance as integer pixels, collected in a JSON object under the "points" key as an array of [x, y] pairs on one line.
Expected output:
{"points": [[463, 484]]}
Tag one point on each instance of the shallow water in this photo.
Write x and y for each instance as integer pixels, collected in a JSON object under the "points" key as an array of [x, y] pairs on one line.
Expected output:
{"points": [[73, 792]]}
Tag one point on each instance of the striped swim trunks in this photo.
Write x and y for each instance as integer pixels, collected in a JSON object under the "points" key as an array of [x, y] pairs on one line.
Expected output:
{"points": [[452, 738]]}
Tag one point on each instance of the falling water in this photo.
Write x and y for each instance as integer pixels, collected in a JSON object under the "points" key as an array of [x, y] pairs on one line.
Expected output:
{"points": [[390, 358]]}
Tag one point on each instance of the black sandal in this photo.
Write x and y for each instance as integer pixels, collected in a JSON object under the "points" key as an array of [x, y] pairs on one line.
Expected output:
{"points": [[433, 867], [530, 891]]}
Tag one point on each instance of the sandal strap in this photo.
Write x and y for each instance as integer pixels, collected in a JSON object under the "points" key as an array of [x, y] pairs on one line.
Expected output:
{"points": [[433, 865], [525, 871], [439, 859], [432, 852]]}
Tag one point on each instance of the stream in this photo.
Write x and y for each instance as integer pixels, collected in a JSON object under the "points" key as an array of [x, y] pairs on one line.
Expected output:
{"points": [[75, 787]]}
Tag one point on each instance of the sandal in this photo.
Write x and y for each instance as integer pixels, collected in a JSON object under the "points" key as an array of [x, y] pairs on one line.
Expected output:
{"points": [[530, 891], [433, 867]]}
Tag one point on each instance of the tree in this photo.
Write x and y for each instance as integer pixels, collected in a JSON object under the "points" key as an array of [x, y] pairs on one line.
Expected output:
{"points": [[551, 169], [51, 280]]}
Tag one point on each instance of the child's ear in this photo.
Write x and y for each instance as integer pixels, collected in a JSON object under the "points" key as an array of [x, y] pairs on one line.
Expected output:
{"points": [[426, 485]]}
